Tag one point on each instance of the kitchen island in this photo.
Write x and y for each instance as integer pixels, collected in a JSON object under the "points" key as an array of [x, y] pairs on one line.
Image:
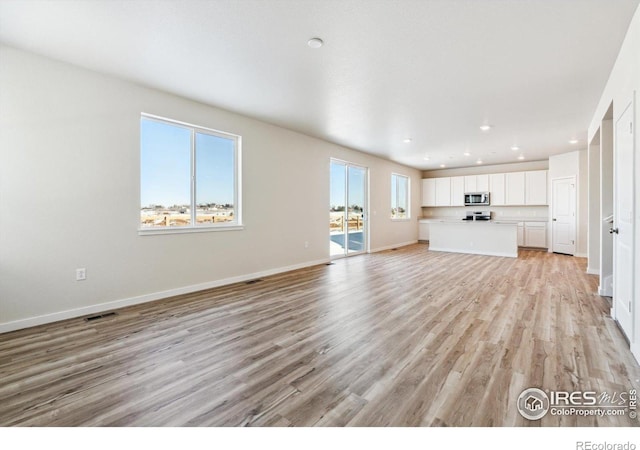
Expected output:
{"points": [[492, 238]]}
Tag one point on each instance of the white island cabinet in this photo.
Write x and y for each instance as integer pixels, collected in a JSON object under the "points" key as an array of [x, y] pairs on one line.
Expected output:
{"points": [[480, 238]]}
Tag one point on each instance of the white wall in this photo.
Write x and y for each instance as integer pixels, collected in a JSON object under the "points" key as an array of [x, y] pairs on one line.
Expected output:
{"points": [[622, 86], [593, 230], [499, 212], [583, 204], [69, 185]]}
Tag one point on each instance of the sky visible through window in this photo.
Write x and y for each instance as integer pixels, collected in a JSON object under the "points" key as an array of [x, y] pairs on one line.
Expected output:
{"points": [[166, 166], [338, 185]]}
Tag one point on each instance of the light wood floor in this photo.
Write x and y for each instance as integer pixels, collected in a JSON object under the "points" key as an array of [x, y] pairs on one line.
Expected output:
{"points": [[404, 338]]}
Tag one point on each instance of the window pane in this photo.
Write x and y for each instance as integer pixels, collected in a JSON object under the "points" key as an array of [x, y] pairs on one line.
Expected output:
{"points": [[403, 198], [215, 179], [165, 174], [394, 196]]}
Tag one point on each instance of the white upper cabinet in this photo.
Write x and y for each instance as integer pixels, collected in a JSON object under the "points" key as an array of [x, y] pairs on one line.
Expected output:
{"points": [[429, 192], [476, 183], [496, 189], [482, 183], [536, 187], [457, 191], [470, 183], [443, 191], [514, 188]]}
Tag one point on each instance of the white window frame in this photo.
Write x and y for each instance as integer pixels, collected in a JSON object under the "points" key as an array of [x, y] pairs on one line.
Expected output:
{"points": [[237, 223], [397, 177]]}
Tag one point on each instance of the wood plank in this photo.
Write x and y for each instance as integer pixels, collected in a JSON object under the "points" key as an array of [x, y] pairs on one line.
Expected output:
{"points": [[397, 338]]}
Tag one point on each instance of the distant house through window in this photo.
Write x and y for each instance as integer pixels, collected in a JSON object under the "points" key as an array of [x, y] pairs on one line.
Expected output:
{"points": [[399, 197], [189, 177]]}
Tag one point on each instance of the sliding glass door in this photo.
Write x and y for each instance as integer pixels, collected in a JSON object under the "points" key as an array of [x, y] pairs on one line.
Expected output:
{"points": [[347, 209]]}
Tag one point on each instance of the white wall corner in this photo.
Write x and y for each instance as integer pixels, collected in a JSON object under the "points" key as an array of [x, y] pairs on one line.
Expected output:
{"points": [[389, 247], [591, 271]]}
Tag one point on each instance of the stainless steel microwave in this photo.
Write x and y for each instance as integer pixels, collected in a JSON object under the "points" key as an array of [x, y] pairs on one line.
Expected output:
{"points": [[476, 198]]}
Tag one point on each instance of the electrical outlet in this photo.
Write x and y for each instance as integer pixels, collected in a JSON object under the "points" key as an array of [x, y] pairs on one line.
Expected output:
{"points": [[306, 244], [81, 274]]}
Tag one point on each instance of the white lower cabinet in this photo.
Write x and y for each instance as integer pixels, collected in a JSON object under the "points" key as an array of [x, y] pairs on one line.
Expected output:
{"points": [[535, 234], [423, 231], [532, 234]]}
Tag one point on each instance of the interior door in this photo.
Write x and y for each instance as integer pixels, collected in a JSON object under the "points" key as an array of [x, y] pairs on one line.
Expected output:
{"points": [[623, 222], [347, 209], [563, 215]]}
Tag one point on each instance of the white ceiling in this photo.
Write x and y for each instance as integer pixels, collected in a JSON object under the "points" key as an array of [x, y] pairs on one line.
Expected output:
{"points": [[431, 70]]}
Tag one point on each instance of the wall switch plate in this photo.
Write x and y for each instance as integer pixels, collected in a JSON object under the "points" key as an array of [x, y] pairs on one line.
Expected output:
{"points": [[81, 274]]}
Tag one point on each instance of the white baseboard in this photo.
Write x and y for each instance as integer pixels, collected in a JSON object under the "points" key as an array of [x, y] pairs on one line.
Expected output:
{"points": [[591, 271], [604, 292], [101, 307], [606, 286], [581, 255], [389, 247]]}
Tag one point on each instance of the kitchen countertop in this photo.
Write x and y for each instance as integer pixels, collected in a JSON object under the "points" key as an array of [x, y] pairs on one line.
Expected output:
{"points": [[494, 220]]}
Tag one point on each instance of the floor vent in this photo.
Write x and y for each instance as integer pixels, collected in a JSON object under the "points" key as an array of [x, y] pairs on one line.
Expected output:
{"points": [[253, 281], [100, 316]]}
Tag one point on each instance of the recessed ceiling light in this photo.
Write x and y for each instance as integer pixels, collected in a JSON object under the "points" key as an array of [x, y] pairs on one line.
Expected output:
{"points": [[521, 157], [426, 158], [443, 165], [315, 42], [479, 161], [467, 154], [485, 127], [515, 148], [573, 141], [406, 140]]}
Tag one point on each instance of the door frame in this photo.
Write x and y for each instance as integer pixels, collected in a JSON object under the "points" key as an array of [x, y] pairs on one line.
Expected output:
{"points": [[365, 213], [575, 212]]}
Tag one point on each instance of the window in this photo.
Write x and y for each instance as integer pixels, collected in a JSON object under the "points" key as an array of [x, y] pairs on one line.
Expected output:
{"points": [[399, 197], [189, 177]]}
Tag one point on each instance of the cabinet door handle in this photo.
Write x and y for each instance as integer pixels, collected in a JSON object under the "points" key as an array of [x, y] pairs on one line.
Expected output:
{"points": [[554, 220]]}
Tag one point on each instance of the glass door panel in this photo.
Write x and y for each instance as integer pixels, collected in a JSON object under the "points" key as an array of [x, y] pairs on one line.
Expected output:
{"points": [[338, 196], [355, 212], [347, 226]]}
